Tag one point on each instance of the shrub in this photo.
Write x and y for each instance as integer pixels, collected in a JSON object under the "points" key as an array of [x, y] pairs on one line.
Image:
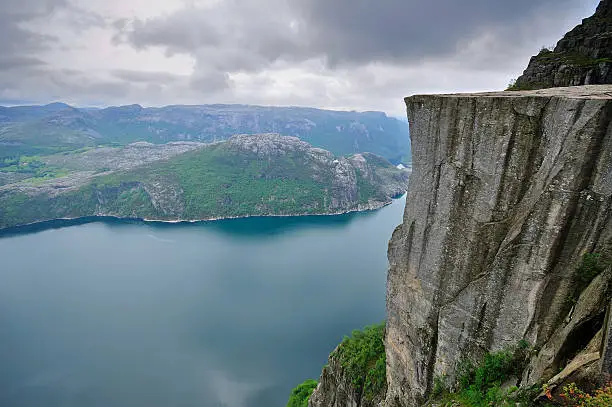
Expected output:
{"points": [[363, 360], [439, 387], [480, 386], [591, 266], [575, 397], [300, 395], [513, 86]]}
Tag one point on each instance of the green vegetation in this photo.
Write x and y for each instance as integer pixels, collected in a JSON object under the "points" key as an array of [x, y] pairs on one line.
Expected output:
{"points": [[569, 58], [591, 266], [363, 360], [220, 180], [32, 166], [300, 395], [573, 396], [578, 63], [513, 86], [366, 189], [481, 385]]}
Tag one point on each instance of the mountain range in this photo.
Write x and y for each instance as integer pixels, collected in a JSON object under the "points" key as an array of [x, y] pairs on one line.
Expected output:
{"points": [[58, 127]]}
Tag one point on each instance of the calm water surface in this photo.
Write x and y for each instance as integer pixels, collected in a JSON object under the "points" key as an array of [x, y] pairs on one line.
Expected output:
{"points": [[231, 313]]}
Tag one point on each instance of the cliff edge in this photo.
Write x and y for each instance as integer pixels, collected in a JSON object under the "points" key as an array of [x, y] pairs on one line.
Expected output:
{"points": [[509, 191]]}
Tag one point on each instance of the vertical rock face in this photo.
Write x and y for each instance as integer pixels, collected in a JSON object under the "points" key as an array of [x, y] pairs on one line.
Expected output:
{"points": [[508, 191], [582, 57]]}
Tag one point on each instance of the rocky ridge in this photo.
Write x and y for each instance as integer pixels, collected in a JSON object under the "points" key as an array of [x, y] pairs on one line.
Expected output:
{"points": [[44, 130], [582, 57]]}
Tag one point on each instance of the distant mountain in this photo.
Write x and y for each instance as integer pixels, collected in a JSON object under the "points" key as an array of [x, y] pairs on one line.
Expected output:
{"points": [[247, 175], [57, 127]]}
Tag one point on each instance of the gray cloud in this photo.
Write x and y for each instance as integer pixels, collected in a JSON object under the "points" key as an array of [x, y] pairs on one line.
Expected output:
{"points": [[8, 62], [20, 46], [252, 26], [353, 54], [145, 76], [358, 31], [341, 31], [18, 42]]}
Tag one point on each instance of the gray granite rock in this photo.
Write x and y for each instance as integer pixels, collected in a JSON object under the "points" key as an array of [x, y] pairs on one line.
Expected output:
{"points": [[508, 191]]}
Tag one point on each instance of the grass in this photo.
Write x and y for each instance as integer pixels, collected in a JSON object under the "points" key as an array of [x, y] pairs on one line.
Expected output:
{"points": [[32, 166]]}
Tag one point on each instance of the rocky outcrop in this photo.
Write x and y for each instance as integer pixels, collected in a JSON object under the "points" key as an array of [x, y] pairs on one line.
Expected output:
{"points": [[335, 389], [582, 57], [355, 373], [508, 191]]}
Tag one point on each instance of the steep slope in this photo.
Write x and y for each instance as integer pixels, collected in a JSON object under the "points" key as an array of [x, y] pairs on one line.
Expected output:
{"points": [[248, 175], [58, 127], [582, 57], [509, 190]]}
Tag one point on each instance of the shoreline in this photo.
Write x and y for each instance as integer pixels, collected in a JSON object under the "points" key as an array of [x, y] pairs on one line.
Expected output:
{"points": [[81, 220]]}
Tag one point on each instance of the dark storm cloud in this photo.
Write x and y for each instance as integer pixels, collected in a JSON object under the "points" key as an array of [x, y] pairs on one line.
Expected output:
{"points": [[357, 31], [347, 32]]}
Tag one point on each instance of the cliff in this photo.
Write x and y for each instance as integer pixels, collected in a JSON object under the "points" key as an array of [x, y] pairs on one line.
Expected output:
{"points": [[582, 57], [509, 190], [506, 244]]}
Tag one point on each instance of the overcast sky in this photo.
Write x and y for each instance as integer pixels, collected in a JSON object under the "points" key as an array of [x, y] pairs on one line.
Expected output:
{"points": [[341, 54]]}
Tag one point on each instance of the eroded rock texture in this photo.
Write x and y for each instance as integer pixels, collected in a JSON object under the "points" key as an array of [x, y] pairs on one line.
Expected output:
{"points": [[582, 57], [508, 191]]}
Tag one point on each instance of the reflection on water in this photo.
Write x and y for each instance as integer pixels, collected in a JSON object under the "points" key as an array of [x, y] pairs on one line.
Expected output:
{"points": [[230, 313]]}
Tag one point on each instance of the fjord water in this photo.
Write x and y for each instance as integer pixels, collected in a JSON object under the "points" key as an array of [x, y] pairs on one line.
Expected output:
{"points": [[230, 313]]}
